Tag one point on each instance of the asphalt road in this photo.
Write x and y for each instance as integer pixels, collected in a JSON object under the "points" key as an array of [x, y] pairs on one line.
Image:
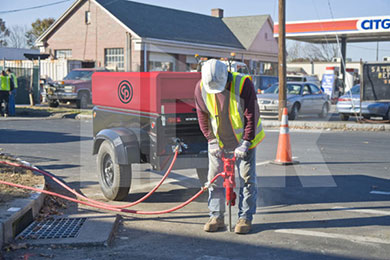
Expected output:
{"points": [[335, 204]]}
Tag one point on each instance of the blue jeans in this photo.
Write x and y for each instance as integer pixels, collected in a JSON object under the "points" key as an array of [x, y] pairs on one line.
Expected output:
{"points": [[11, 103], [248, 186]]}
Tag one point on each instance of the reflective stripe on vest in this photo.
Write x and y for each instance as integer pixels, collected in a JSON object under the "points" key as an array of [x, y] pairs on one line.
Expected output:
{"points": [[235, 111], [4, 83]]}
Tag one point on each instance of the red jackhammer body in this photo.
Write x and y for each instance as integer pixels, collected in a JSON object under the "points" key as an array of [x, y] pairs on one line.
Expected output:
{"points": [[229, 184]]}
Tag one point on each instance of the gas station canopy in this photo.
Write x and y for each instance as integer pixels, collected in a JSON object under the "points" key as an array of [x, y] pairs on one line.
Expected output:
{"points": [[364, 29]]}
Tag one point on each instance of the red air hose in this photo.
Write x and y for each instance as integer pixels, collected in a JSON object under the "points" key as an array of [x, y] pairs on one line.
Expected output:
{"points": [[111, 208], [62, 184]]}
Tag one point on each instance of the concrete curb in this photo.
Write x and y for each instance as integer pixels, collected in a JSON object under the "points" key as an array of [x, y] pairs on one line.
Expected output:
{"points": [[19, 213], [345, 126], [330, 125], [83, 117]]}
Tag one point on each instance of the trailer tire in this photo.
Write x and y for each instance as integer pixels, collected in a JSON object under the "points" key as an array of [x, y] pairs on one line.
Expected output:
{"points": [[202, 175], [344, 117], [114, 179], [294, 112], [83, 100], [53, 103], [324, 112]]}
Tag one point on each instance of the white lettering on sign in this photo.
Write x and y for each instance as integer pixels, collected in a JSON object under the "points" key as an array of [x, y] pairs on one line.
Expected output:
{"points": [[374, 24]]}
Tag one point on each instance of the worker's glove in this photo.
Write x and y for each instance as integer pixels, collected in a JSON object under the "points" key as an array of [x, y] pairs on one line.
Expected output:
{"points": [[214, 148], [242, 150]]}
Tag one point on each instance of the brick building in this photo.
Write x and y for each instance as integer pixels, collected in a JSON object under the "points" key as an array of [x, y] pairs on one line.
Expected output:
{"points": [[130, 36]]}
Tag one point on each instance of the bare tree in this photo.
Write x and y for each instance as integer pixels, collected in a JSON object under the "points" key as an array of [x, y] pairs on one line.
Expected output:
{"points": [[320, 52], [294, 51], [4, 33], [17, 37], [299, 51]]}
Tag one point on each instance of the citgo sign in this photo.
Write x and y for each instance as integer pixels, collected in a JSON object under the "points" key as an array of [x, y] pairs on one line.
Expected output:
{"points": [[374, 24]]}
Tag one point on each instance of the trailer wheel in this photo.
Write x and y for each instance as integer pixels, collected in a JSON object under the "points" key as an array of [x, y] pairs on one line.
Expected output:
{"points": [[114, 179], [324, 111], [202, 175], [344, 117], [83, 100], [53, 103], [294, 112]]}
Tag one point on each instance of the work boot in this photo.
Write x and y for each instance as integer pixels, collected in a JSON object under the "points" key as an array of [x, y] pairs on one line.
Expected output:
{"points": [[214, 224], [243, 226]]}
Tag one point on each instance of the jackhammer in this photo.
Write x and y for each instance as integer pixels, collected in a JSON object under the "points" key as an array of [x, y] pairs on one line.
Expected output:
{"points": [[229, 184]]}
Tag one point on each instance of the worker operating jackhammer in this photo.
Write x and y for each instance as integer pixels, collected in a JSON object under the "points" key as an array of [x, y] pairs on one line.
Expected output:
{"points": [[229, 118]]}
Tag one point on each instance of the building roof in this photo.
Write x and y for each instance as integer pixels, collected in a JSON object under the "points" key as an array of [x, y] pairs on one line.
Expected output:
{"points": [[15, 53], [149, 21], [246, 28]]}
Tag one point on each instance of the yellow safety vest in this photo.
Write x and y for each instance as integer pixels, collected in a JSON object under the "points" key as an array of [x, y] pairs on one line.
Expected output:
{"points": [[235, 111], [14, 79], [5, 84]]}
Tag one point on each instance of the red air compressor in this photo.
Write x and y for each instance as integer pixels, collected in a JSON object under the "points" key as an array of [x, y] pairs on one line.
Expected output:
{"points": [[139, 117]]}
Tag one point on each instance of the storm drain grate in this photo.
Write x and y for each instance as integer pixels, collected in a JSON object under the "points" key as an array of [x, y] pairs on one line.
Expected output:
{"points": [[53, 228]]}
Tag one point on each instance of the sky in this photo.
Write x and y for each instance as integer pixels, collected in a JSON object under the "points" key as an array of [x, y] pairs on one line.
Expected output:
{"points": [[296, 10]]}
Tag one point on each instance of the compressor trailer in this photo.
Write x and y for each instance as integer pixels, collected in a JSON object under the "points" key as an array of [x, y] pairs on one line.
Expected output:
{"points": [[140, 117]]}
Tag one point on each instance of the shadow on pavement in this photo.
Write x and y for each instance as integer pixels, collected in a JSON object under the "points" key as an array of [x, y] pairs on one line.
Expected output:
{"points": [[9, 136], [336, 163], [36, 159], [178, 195], [332, 223], [146, 244], [58, 166], [346, 188]]}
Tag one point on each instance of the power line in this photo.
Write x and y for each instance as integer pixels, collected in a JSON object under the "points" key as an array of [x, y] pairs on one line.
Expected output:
{"points": [[33, 7], [367, 48]]}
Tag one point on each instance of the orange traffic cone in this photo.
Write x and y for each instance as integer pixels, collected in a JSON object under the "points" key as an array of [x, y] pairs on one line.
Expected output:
{"points": [[283, 154]]}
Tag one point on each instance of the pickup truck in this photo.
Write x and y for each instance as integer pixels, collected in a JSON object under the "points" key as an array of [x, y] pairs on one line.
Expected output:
{"points": [[75, 88], [138, 118]]}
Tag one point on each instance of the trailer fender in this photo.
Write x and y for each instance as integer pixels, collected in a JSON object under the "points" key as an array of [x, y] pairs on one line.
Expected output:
{"points": [[125, 143]]}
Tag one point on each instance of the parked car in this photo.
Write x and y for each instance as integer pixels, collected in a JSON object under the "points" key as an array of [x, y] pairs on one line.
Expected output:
{"points": [[349, 105], [302, 98], [262, 82], [303, 78], [76, 87]]}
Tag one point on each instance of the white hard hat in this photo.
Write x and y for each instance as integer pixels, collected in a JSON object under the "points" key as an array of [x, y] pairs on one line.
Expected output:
{"points": [[214, 76]]}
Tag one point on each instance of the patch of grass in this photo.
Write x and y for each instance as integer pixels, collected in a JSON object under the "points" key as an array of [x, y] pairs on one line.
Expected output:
{"points": [[37, 111], [16, 175]]}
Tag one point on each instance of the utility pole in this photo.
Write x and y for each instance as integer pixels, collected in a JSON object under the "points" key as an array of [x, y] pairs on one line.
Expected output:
{"points": [[282, 56]]}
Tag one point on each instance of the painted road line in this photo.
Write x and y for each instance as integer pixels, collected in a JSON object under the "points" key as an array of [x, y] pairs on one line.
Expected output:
{"points": [[379, 192], [268, 162], [263, 163], [366, 211], [350, 238], [272, 131]]}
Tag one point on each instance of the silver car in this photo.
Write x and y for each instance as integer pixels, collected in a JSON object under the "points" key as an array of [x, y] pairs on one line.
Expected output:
{"points": [[349, 105], [302, 98]]}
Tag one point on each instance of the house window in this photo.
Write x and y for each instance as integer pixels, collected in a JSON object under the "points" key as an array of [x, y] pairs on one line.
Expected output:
{"points": [[63, 54], [87, 17], [160, 66], [161, 62], [114, 58]]}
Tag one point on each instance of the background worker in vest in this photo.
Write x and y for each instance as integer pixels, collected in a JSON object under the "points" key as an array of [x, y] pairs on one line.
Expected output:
{"points": [[229, 118], [11, 104], [6, 86]]}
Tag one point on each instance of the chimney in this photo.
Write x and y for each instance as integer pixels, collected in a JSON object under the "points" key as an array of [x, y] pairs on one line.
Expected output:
{"points": [[217, 12]]}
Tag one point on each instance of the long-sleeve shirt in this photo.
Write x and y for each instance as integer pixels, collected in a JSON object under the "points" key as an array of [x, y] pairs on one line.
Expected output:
{"points": [[249, 107]]}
